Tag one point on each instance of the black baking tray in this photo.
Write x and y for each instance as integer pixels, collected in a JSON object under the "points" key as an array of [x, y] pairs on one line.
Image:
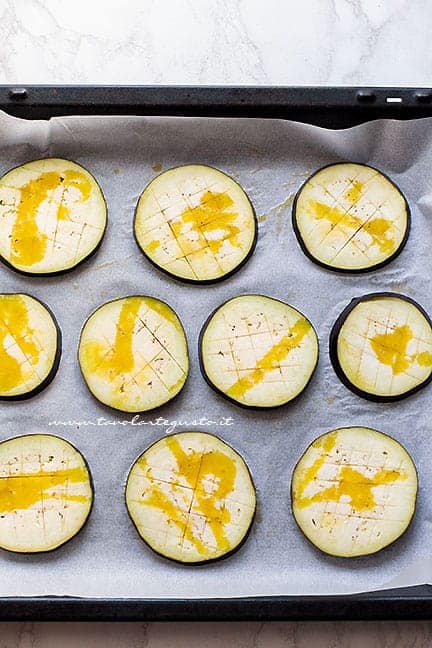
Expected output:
{"points": [[331, 107]]}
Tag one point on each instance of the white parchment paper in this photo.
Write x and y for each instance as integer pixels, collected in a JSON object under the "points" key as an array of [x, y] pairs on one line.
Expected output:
{"points": [[270, 159]]}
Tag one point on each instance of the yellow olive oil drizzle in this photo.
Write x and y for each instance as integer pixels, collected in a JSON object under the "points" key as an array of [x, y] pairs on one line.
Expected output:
{"points": [[195, 467], [21, 491], [391, 349], [153, 245], [270, 360], [377, 228], [424, 359], [354, 192], [349, 481], [118, 359], [14, 322], [163, 310], [28, 243], [209, 216]]}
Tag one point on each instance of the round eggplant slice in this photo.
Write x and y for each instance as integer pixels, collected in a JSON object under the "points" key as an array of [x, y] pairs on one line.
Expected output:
{"points": [[195, 223], [133, 354], [258, 351], [191, 497], [52, 216], [351, 218], [354, 491], [381, 347], [30, 346], [45, 493]]}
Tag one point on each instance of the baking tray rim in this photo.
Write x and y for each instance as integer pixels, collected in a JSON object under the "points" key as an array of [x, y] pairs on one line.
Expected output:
{"points": [[319, 105], [400, 603]]}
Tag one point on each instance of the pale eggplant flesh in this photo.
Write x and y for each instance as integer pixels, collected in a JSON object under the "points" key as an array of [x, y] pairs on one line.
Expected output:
{"points": [[351, 218], [354, 492], [133, 353], [258, 351], [30, 346], [52, 216], [191, 498], [46, 493], [195, 223], [381, 347]]}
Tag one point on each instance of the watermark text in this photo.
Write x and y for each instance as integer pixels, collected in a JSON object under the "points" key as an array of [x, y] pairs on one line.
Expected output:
{"points": [[170, 425]]}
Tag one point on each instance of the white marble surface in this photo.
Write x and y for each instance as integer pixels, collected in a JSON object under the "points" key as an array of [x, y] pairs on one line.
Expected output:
{"points": [[350, 42], [381, 42]]}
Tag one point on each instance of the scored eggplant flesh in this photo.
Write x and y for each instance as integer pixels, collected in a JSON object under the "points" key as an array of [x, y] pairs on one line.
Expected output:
{"points": [[195, 223], [354, 491], [351, 217], [29, 346], [381, 346], [46, 493], [191, 497], [133, 353], [258, 351], [52, 216]]}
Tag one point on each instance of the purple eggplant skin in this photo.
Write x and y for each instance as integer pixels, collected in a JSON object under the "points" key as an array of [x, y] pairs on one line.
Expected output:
{"points": [[205, 561], [362, 556], [334, 359], [198, 282], [56, 363], [327, 266], [57, 273], [90, 476], [110, 408], [222, 393]]}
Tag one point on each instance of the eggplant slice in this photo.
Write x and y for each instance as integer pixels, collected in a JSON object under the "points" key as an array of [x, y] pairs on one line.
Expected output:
{"points": [[133, 354], [351, 217], [258, 351], [52, 216], [30, 346], [191, 497], [46, 493], [195, 223], [381, 347], [354, 491]]}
